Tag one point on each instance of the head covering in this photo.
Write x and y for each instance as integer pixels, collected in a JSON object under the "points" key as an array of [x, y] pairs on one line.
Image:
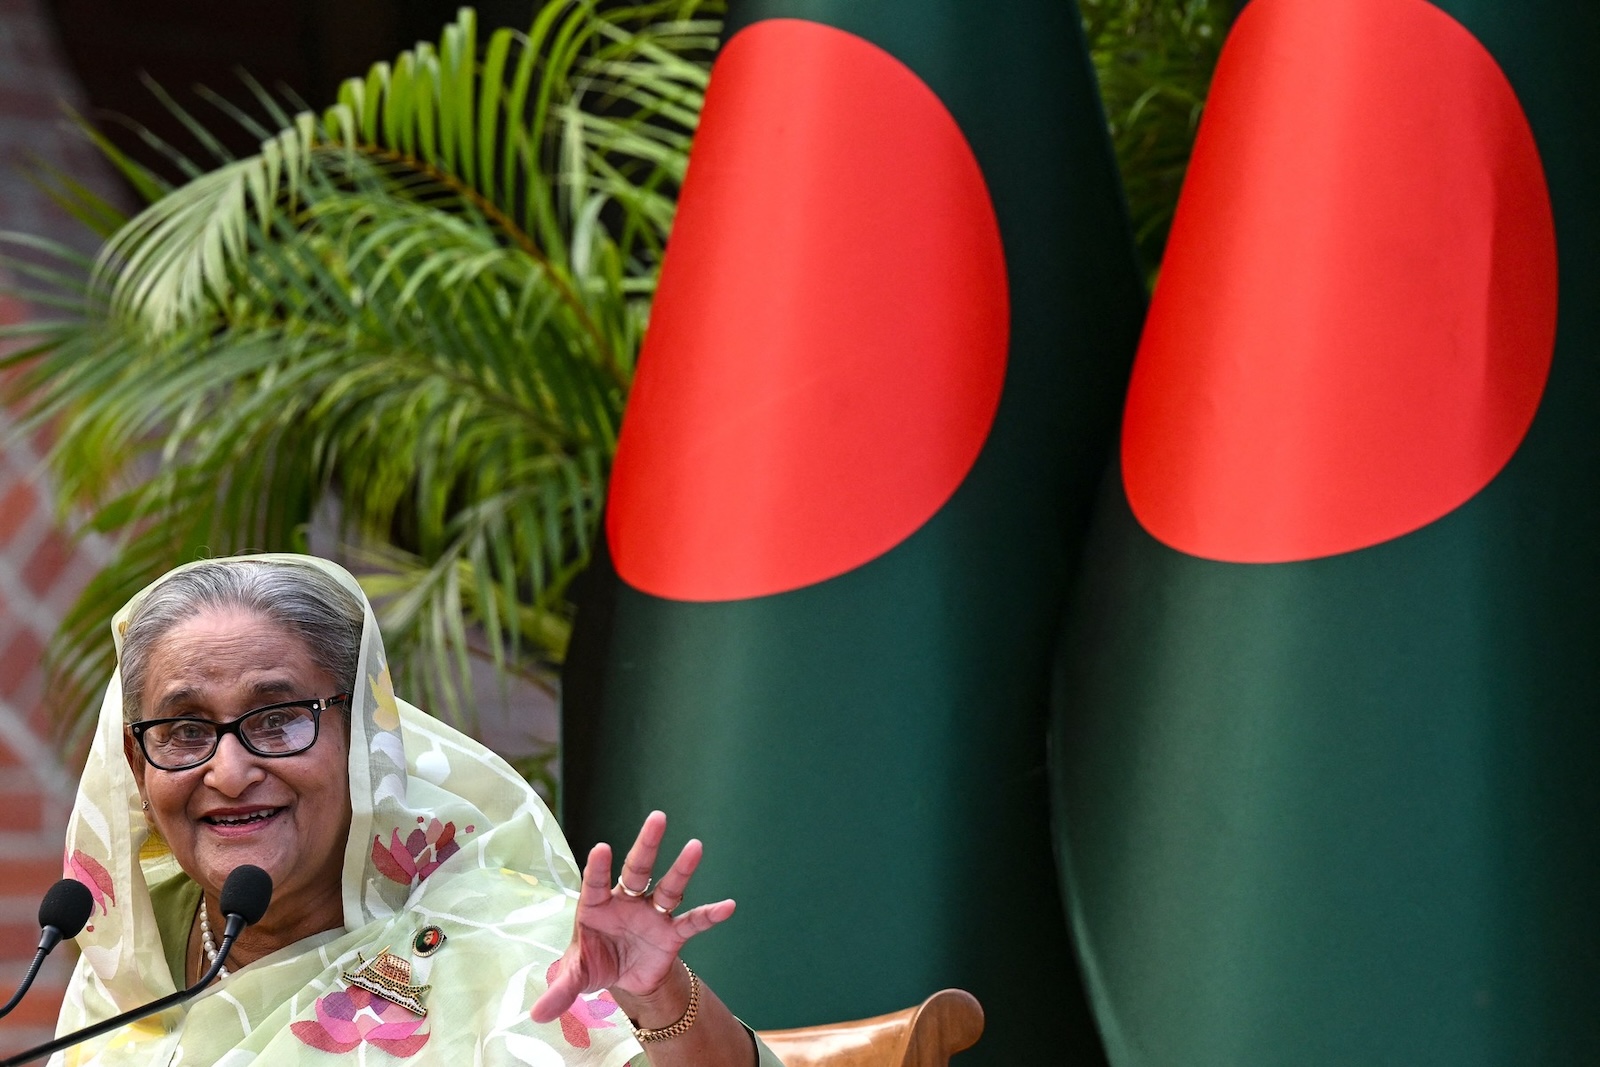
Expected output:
{"points": [[445, 839]]}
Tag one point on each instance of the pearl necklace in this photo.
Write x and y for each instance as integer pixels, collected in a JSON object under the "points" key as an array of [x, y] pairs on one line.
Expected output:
{"points": [[205, 939]]}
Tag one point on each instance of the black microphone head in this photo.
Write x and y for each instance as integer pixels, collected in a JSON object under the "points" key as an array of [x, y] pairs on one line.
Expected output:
{"points": [[246, 893], [66, 906]]}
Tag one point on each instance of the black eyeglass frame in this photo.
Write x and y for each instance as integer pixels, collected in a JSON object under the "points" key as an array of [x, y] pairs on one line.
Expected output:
{"points": [[316, 706]]}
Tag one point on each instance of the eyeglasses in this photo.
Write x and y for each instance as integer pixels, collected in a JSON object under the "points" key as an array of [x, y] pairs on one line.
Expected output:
{"points": [[286, 729]]}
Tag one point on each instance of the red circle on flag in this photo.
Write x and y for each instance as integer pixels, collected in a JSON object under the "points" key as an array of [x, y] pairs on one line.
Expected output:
{"points": [[1355, 319], [828, 341]]}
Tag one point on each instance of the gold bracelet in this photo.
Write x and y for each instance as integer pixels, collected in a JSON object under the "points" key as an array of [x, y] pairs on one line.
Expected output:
{"points": [[644, 1033]]}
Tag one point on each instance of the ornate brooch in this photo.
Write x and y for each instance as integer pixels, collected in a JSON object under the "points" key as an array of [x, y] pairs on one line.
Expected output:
{"points": [[388, 976]]}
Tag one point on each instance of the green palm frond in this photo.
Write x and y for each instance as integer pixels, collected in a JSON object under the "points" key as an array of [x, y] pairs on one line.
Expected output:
{"points": [[1154, 59], [586, 112], [421, 308]]}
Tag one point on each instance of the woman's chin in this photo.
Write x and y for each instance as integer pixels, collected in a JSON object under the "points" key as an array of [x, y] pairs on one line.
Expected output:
{"points": [[269, 844]]}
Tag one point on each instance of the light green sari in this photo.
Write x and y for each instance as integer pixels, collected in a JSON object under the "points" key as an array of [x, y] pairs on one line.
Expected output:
{"points": [[443, 835]]}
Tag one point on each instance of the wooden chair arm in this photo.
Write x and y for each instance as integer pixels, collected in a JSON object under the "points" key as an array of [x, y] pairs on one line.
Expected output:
{"points": [[924, 1036]]}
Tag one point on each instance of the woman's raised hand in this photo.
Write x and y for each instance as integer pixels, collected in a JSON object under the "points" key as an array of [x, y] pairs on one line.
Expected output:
{"points": [[626, 937]]}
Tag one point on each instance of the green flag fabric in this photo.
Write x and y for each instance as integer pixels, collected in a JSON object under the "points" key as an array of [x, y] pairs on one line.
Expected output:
{"points": [[879, 388], [1325, 728]]}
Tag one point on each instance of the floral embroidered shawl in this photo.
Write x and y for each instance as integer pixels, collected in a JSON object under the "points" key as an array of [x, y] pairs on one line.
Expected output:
{"points": [[443, 833]]}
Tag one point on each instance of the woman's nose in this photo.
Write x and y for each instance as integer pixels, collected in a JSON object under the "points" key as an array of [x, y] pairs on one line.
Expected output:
{"points": [[232, 769]]}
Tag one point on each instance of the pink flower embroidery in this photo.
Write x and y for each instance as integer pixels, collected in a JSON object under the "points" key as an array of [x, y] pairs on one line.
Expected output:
{"points": [[588, 1012], [419, 855], [350, 1017], [88, 870]]}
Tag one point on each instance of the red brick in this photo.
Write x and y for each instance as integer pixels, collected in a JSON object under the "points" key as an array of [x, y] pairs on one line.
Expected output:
{"points": [[41, 716], [47, 562], [38, 1010], [19, 931], [24, 812], [18, 505], [44, 438], [20, 664], [12, 310], [29, 877]]}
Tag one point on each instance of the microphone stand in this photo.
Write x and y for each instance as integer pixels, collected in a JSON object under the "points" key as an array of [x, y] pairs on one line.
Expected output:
{"points": [[33, 970], [230, 935], [62, 913]]}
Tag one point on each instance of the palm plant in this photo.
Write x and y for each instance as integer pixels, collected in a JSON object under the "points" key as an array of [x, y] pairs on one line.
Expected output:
{"points": [[420, 310], [1154, 59], [423, 304]]}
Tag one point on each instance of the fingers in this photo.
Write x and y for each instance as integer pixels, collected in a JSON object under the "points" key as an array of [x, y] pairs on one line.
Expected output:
{"points": [[670, 887], [666, 893], [699, 920], [596, 877], [641, 859]]}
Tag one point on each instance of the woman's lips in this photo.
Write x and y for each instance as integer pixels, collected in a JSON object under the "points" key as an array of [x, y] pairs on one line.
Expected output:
{"points": [[238, 822]]}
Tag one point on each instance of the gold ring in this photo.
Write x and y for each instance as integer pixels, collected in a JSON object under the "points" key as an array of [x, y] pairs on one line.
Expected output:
{"points": [[632, 892]]}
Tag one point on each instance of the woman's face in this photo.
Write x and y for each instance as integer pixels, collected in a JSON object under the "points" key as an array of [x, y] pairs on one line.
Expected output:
{"points": [[289, 815]]}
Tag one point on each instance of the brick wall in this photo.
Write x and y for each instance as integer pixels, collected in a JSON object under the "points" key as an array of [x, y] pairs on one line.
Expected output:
{"points": [[41, 567]]}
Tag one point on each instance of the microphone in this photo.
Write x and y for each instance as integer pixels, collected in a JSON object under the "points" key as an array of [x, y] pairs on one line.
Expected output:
{"points": [[63, 911], [245, 896]]}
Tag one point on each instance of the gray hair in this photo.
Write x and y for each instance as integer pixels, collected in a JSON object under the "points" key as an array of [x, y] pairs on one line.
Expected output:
{"points": [[304, 600]]}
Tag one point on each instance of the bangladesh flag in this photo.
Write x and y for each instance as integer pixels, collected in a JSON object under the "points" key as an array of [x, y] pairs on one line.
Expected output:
{"points": [[881, 381], [1329, 708]]}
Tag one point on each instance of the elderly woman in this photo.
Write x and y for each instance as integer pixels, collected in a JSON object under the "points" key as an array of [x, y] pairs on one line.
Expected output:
{"points": [[425, 907]]}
